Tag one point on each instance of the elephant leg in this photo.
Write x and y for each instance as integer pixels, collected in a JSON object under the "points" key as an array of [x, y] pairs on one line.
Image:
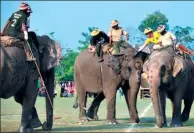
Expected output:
{"points": [[35, 122], [163, 106], [92, 111], [110, 95], [176, 102], [82, 105], [75, 105], [82, 98], [29, 98], [187, 109], [19, 98]]}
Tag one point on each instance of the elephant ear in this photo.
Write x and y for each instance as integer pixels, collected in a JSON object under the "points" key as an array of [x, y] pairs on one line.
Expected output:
{"points": [[50, 50], [177, 66]]}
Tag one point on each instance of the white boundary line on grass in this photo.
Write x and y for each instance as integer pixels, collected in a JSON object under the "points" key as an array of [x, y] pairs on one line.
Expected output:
{"points": [[141, 115]]}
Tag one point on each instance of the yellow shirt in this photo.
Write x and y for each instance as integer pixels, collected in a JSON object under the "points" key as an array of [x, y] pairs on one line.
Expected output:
{"points": [[155, 39]]}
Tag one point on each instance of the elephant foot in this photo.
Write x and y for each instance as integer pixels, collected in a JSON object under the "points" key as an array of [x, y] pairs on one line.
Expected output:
{"points": [[162, 126], [35, 123], [25, 129], [111, 122], [75, 106], [165, 125], [176, 124], [96, 118], [46, 126], [184, 117], [83, 119], [134, 120]]}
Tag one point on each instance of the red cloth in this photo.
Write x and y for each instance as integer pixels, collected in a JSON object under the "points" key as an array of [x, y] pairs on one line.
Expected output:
{"points": [[184, 49]]}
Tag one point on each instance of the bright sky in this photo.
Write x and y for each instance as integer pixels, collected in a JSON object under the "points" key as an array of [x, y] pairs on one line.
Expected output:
{"points": [[69, 18]]}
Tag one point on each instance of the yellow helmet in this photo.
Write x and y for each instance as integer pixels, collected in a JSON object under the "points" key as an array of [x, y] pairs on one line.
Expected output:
{"points": [[147, 30], [95, 32]]}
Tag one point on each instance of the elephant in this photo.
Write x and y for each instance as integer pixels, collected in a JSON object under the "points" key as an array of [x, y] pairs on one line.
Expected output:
{"points": [[171, 76], [19, 77], [94, 77]]}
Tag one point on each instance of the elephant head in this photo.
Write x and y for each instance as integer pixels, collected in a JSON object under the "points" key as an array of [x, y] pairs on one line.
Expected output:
{"points": [[133, 60], [50, 53], [49, 58]]}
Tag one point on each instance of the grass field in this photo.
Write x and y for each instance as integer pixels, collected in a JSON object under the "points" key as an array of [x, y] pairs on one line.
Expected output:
{"points": [[11, 115]]}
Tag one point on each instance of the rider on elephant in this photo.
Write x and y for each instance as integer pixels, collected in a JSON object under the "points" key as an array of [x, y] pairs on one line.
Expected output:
{"points": [[152, 37], [16, 26], [168, 38], [115, 34], [97, 39]]}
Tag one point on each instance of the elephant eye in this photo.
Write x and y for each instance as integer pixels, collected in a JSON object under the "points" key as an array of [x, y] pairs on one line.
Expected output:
{"points": [[129, 68]]}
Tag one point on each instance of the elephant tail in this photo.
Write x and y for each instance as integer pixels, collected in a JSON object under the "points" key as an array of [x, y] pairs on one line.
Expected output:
{"points": [[75, 106]]}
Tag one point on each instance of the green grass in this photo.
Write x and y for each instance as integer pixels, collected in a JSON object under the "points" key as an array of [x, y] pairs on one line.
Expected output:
{"points": [[10, 117]]}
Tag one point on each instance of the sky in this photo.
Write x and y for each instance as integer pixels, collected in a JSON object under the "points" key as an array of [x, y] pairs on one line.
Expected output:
{"points": [[69, 18]]}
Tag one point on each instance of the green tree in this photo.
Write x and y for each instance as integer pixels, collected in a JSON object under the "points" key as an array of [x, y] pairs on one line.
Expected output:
{"points": [[84, 43], [135, 36], [66, 68], [185, 36], [153, 21]]}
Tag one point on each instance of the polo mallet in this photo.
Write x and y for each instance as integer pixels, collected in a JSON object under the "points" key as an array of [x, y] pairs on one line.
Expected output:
{"points": [[41, 78]]}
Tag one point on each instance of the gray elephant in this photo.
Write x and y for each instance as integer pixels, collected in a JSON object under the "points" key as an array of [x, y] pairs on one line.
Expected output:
{"points": [[19, 78], [94, 77], [170, 76]]}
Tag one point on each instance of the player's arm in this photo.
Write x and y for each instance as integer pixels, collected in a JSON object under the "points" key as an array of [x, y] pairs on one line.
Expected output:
{"points": [[24, 27], [110, 36], [126, 34], [106, 37], [147, 41], [173, 37]]}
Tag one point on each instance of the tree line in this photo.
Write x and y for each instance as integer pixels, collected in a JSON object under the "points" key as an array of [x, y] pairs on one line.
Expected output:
{"points": [[185, 35]]}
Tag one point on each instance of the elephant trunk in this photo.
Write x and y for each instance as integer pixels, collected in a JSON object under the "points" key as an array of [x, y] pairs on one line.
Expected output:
{"points": [[154, 83], [49, 82]]}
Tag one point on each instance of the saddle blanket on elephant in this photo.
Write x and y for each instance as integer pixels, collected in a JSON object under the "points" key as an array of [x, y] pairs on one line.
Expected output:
{"points": [[8, 41]]}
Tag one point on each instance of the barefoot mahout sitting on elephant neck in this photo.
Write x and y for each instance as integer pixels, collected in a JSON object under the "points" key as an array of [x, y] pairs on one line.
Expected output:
{"points": [[102, 79], [19, 79]]}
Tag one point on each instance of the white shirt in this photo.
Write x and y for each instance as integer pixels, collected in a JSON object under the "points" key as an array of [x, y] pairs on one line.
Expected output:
{"points": [[167, 39]]}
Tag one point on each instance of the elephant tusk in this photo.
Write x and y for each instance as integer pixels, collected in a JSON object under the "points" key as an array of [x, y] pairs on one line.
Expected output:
{"points": [[145, 75]]}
